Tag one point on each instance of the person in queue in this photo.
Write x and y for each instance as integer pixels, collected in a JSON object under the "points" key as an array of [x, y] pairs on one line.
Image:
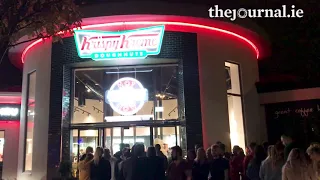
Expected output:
{"points": [[271, 167], [248, 158], [100, 168], [89, 150], [112, 160], [85, 167], [200, 169], [155, 163], [219, 167], [178, 168], [236, 160], [191, 156], [255, 164], [289, 144], [136, 167], [314, 154], [160, 154], [209, 155], [297, 167]]}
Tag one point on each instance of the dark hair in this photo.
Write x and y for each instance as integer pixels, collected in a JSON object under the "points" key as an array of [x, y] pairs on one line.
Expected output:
{"points": [[252, 145], [259, 155], [177, 149], [138, 149], [89, 157], [215, 146], [151, 152], [193, 153], [222, 147], [89, 149], [157, 146]]}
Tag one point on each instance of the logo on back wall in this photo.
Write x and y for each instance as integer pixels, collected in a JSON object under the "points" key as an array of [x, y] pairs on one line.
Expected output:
{"points": [[126, 96], [103, 45]]}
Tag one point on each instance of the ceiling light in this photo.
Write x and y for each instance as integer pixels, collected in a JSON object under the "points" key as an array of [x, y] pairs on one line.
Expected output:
{"points": [[97, 84], [88, 90]]}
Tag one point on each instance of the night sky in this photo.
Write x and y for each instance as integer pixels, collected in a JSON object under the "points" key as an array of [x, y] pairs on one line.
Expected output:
{"points": [[295, 45]]}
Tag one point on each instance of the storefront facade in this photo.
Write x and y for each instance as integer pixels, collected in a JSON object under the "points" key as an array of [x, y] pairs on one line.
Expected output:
{"points": [[9, 133], [154, 79]]}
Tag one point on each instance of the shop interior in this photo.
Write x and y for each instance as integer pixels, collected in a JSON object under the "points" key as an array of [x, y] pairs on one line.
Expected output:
{"points": [[96, 123], [155, 122]]}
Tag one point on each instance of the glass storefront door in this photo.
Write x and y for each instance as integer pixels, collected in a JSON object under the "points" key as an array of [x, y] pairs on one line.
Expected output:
{"points": [[115, 138]]}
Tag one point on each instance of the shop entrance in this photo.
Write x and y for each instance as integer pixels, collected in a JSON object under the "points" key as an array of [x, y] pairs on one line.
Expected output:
{"points": [[115, 138]]}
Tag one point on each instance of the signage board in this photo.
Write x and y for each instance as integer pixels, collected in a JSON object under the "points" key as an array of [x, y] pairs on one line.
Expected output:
{"points": [[9, 112], [126, 96], [130, 44]]}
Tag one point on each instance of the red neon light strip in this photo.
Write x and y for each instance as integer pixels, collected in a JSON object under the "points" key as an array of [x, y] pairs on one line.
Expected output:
{"points": [[185, 24]]}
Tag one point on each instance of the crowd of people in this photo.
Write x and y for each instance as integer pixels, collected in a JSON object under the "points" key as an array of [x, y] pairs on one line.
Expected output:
{"points": [[281, 161]]}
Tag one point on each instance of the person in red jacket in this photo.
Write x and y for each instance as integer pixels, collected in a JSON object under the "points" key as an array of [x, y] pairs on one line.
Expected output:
{"points": [[248, 158], [236, 161]]}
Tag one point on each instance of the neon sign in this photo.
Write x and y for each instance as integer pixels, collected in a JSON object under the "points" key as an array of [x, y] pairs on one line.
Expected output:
{"points": [[9, 112], [126, 96], [103, 45]]}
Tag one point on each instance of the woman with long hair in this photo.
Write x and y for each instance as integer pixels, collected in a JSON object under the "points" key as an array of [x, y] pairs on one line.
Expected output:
{"points": [[200, 169], [271, 168], [314, 154], [254, 165], [100, 168], [297, 167], [84, 167]]}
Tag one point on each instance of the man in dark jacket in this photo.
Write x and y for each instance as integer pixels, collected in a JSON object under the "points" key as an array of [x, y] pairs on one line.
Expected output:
{"points": [[136, 167], [289, 144]]}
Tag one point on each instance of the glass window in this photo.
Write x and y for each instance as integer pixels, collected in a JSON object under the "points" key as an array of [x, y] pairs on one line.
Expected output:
{"points": [[29, 123], [233, 78], [236, 121], [237, 134], [125, 94], [166, 137], [143, 136]]}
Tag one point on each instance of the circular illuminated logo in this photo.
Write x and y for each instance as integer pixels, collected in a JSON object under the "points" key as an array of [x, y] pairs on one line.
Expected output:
{"points": [[126, 96]]}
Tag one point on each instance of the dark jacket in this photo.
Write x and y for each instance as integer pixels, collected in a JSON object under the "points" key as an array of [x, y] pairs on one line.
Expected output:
{"points": [[102, 171], [156, 168], [288, 149], [135, 168], [200, 171]]}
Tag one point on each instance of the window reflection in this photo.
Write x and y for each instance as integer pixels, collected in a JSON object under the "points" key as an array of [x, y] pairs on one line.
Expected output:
{"points": [[30, 114]]}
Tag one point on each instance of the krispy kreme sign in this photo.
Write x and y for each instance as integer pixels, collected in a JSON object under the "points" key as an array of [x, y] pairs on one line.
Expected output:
{"points": [[103, 45]]}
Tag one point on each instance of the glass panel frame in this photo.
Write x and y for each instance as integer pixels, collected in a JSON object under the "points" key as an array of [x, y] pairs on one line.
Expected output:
{"points": [[235, 105], [29, 121]]}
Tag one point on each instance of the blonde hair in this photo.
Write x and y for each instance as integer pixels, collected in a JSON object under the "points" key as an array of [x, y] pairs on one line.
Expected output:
{"points": [[314, 148], [270, 150], [97, 155], [297, 163]]}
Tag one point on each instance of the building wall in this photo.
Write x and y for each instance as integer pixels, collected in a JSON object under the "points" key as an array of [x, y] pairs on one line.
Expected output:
{"points": [[10, 151], [291, 95], [38, 59], [214, 51]]}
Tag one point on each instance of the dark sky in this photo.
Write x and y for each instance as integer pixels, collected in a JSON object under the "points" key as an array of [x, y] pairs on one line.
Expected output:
{"points": [[295, 44]]}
